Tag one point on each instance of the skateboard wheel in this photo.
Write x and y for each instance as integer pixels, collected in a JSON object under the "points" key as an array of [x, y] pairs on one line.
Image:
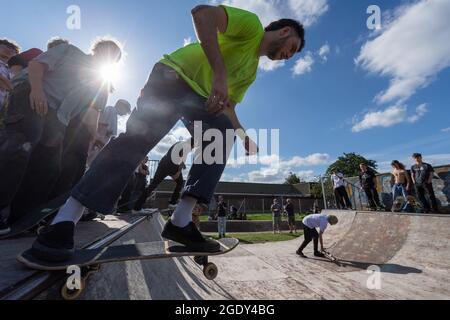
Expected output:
{"points": [[40, 229], [210, 271], [201, 260], [69, 294]]}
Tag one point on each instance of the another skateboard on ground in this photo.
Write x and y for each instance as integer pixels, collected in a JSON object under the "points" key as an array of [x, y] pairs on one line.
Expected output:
{"points": [[37, 218], [90, 260], [398, 204]]}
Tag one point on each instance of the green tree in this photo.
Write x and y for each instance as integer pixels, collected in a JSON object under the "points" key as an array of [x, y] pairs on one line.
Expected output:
{"points": [[349, 163], [292, 179], [316, 190]]}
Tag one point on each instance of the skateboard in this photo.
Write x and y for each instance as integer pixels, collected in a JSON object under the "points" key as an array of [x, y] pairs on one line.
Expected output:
{"points": [[90, 260], [37, 218], [330, 257], [398, 204]]}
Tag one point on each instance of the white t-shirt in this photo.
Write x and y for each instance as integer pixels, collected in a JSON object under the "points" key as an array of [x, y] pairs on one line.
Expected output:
{"points": [[109, 118], [316, 221], [338, 180]]}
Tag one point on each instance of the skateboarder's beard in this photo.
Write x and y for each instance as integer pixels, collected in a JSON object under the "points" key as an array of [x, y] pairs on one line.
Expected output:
{"points": [[274, 48]]}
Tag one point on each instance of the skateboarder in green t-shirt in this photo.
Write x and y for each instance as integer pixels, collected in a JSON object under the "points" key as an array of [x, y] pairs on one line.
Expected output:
{"points": [[204, 82]]}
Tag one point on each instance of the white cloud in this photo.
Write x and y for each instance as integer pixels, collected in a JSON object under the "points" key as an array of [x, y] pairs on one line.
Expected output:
{"points": [[389, 117], [303, 65], [324, 51], [177, 134], [412, 49], [420, 112], [266, 175], [446, 129], [266, 64], [306, 11], [187, 41]]}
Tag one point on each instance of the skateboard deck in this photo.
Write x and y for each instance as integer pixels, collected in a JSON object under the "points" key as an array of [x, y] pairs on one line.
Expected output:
{"points": [[129, 252], [398, 204], [35, 217]]}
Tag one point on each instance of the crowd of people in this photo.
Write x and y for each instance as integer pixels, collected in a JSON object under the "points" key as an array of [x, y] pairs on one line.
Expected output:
{"points": [[53, 120], [406, 185]]}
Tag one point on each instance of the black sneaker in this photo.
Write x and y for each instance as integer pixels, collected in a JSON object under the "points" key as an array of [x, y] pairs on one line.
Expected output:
{"points": [[301, 254], [4, 228], [319, 254], [190, 237], [55, 243]]}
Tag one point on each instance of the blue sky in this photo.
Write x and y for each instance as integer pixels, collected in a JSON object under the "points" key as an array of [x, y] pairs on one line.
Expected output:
{"points": [[383, 94]]}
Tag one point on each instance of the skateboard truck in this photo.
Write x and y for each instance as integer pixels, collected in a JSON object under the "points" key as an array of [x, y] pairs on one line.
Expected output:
{"points": [[210, 270]]}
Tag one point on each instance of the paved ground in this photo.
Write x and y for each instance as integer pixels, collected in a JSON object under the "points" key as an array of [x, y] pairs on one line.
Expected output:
{"points": [[413, 252]]}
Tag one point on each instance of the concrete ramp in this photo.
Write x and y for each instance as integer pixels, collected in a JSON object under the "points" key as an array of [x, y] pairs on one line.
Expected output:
{"points": [[411, 252]]}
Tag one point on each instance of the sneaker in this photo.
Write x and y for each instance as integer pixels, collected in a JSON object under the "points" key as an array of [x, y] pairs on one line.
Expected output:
{"points": [[319, 254], [4, 228], [55, 243], [190, 237], [301, 254]]}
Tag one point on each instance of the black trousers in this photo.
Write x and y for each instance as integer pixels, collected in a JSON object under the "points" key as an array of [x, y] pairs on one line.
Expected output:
{"points": [[165, 168], [310, 235], [30, 154], [74, 157], [342, 198], [421, 190], [372, 197]]}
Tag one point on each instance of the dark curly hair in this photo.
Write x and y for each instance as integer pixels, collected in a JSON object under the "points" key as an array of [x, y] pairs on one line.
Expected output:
{"points": [[294, 24]]}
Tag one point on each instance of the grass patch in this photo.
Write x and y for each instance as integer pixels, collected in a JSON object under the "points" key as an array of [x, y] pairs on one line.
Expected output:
{"points": [[260, 217], [261, 237]]}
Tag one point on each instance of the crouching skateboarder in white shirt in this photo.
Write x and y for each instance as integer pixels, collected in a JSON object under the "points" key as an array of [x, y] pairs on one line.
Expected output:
{"points": [[310, 223]]}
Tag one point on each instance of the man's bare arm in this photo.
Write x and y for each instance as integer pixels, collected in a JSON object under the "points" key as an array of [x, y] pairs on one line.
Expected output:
{"points": [[208, 21], [249, 144], [38, 100]]}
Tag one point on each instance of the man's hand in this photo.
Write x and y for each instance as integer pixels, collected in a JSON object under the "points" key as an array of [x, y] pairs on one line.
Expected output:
{"points": [[251, 147], [5, 84], [38, 102], [218, 99]]}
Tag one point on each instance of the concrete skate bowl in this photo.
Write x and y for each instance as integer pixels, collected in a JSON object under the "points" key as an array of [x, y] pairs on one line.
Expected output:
{"points": [[412, 252], [398, 243]]}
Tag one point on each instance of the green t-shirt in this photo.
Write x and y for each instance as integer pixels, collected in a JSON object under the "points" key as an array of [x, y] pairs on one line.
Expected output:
{"points": [[239, 45]]}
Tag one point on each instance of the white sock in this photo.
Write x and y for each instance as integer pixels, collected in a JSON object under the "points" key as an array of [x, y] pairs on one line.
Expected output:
{"points": [[182, 215], [71, 211]]}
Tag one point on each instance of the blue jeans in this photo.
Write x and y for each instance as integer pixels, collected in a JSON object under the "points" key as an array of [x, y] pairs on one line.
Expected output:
{"points": [[165, 99], [399, 190], [222, 225]]}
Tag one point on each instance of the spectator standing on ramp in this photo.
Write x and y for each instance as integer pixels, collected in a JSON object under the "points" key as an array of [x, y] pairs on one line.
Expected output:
{"points": [[204, 82], [402, 184], [107, 127], [222, 217], [367, 179], [289, 209], [276, 209], [340, 192], [172, 164], [57, 86], [310, 223], [422, 177]]}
